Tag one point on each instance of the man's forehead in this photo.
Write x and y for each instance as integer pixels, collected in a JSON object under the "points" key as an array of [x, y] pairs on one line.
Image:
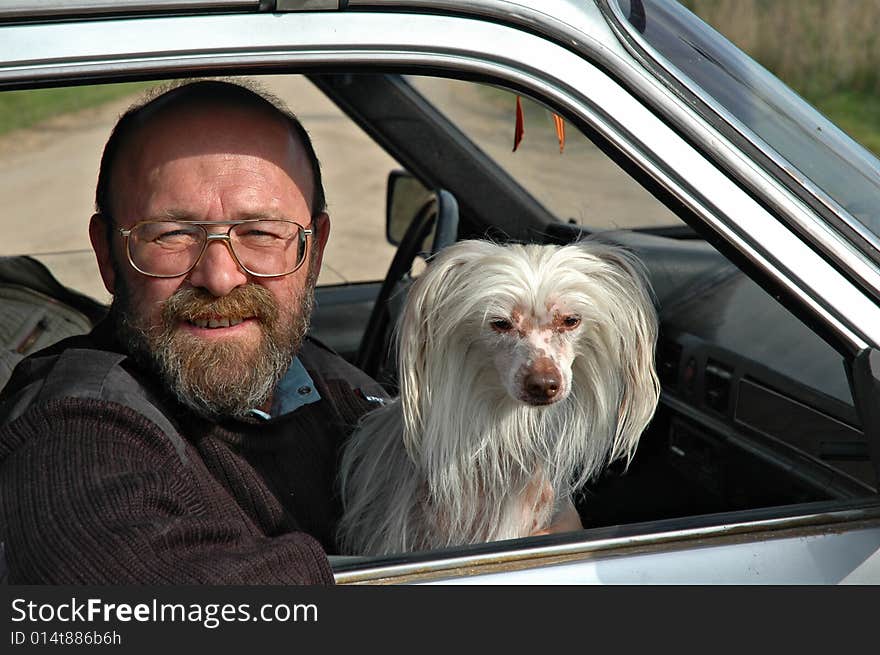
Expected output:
{"points": [[185, 132], [213, 129]]}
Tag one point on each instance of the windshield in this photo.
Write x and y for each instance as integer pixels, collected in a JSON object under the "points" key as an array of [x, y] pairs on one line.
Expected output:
{"points": [[760, 106]]}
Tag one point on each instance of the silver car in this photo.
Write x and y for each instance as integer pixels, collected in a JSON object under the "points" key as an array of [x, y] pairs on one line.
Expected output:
{"points": [[757, 218]]}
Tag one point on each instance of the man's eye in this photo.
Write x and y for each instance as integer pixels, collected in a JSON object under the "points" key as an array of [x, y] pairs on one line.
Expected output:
{"points": [[501, 325], [263, 231], [260, 238], [175, 237], [172, 234], [258, 234]]}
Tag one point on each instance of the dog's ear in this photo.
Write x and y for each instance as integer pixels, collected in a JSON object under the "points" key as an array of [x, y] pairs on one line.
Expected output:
{"points": [[425, 311], [635, 318]]}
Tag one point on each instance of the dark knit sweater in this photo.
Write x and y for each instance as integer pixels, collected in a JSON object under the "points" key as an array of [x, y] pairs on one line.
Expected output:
{"points": [[92, 492]]}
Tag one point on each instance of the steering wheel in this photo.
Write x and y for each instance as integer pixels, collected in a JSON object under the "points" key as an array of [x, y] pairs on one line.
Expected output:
{"points": [[442, 210]]}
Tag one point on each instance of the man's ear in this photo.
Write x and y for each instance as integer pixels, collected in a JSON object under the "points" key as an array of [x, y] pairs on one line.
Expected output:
{"points": [[321, 226], [98, 232]]}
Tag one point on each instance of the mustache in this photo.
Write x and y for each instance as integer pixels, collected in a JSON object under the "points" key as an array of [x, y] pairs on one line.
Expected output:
{"points": [[248, 301]]}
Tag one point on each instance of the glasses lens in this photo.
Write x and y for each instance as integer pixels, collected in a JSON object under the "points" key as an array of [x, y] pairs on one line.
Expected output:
{"points": [[167, 248], [270, 247]]}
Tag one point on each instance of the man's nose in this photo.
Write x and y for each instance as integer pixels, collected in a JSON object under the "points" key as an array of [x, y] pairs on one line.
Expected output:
{"points": [[217, 271]]}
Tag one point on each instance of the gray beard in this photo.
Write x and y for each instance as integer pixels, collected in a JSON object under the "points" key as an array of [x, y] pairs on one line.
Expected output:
{"points": [[216, 380]]}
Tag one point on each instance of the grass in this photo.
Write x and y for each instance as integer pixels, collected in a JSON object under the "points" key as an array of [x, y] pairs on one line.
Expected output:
{"points": [[20, 109], [858, 114], [828, 51]]}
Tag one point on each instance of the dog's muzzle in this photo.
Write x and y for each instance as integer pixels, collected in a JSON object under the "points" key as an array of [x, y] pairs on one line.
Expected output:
{"points": [[542, 383]]}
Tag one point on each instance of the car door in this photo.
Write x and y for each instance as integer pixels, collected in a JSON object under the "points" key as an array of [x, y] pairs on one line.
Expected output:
{"points": [[570, 59]]}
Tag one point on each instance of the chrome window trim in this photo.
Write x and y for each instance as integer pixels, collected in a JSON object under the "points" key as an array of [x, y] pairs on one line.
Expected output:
{"points": [[36, 9], [248, 43], [644, 541], [52, 9]]}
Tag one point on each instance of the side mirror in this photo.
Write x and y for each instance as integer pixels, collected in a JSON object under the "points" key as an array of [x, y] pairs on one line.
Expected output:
{"points": [[409, 201]]}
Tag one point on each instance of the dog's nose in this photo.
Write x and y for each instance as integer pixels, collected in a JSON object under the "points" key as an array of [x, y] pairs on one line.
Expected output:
{"points": [[543, 381], [542, 387]]}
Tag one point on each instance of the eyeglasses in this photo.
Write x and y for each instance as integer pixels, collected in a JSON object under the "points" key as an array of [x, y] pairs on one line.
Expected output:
{"points": [[261, 247]]}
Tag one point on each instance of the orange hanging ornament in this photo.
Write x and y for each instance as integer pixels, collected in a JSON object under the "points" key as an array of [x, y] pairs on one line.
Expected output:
{"points": [[519, 128], [560, 131]]}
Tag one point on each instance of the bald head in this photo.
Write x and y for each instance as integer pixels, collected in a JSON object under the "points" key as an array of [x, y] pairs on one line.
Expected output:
{"points": [[222, 105]]}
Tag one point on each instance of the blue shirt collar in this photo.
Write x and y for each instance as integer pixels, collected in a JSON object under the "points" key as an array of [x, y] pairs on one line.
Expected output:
{"points": [[295, 390]]}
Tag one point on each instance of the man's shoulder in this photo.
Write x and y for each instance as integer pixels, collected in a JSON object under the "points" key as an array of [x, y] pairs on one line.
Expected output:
{"points": [[83, 368], [74, 372], [37, 367]]}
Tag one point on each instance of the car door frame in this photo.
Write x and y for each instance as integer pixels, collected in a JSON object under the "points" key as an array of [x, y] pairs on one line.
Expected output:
{"points": [[459, 46]]}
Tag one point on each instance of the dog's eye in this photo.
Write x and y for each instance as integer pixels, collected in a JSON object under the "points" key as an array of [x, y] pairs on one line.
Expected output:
{"points": [[501, 325], [570, 322]]}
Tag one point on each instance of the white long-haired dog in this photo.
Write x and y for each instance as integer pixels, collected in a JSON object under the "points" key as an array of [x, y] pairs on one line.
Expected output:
{"points": [[524, 369]]}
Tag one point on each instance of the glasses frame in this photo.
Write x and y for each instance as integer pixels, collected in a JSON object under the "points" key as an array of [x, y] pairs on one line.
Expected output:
{"points": [[304, 234]]}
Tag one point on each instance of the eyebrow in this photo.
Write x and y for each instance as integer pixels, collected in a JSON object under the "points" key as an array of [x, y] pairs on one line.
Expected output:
{"points": [[183, 215], [176, 215]]}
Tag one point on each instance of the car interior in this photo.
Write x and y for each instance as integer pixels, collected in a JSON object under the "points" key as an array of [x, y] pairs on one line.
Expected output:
{"points": [[756, 409]]}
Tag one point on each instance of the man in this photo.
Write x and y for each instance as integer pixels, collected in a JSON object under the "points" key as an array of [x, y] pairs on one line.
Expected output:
{"points": [[192, 436]]}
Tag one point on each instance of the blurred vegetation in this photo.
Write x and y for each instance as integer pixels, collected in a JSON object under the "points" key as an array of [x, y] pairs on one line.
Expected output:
{"points": [[19, 109], [828, 51]]}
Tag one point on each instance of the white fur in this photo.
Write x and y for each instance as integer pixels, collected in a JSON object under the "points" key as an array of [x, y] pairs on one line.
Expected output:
{"points": [[465, 454]]}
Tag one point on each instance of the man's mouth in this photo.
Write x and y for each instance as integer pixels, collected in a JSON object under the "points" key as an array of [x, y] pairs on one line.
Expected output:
{"points": [[216, 322]]}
